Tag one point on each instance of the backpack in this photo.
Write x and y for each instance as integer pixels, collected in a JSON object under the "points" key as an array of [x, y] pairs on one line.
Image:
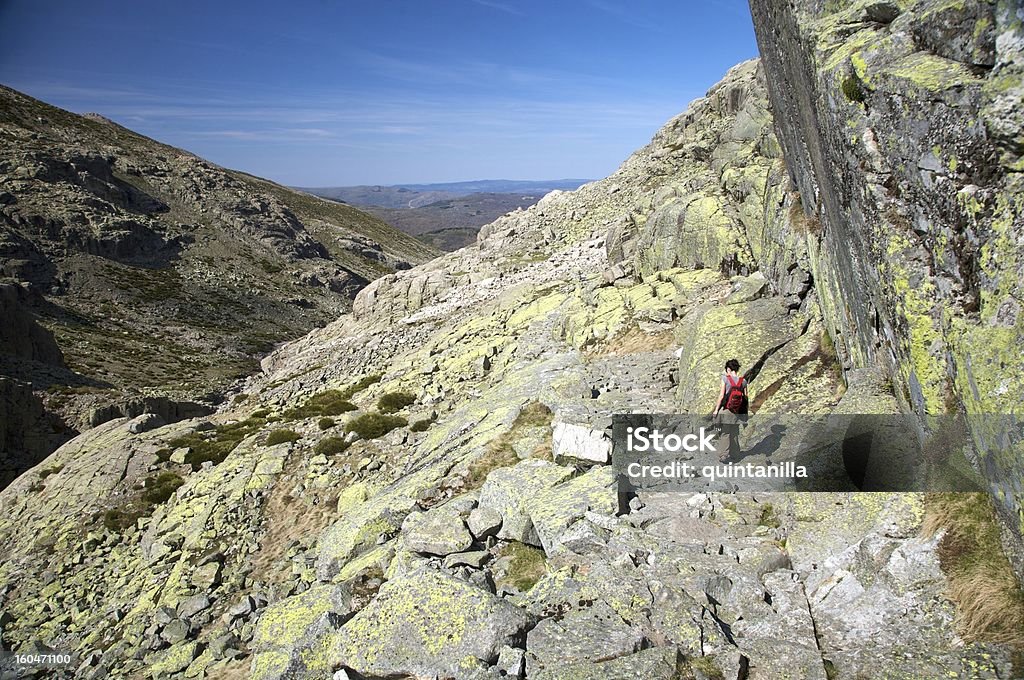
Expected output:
{"points": [[736, 395]]}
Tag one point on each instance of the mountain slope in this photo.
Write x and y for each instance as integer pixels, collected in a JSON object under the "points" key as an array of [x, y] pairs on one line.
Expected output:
{"points": [[158, 273], [307, 528], [422, 486]]}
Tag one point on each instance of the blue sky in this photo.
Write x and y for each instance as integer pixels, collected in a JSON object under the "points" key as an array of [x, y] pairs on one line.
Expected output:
{"points": [[330, 92]]}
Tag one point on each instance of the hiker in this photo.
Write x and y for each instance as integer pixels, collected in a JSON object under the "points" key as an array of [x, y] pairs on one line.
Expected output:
{"points": [[731, 407]]}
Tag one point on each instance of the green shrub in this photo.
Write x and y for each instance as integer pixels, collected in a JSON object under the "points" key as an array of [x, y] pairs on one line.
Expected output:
{"points": [[327, 403], [282, 436], [330, 446], [239, 398], [213, 446], [852, 89], [119, 520], [362, 384], [161, 487], [153, 491], [394, 401], [421, 425], [373, 425], [325, 423]]}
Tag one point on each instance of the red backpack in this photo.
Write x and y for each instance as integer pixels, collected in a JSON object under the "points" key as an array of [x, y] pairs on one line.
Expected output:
{"points": [[736, 394]]}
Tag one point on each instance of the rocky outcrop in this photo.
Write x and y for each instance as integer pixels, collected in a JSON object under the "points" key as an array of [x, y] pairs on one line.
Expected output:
{"points": [[28, 432], [902, 129], [169, 411]]}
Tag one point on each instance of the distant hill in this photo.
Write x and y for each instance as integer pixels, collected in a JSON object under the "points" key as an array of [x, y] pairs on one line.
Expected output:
{"points": [[419, 195], [448, 215], [453, 223]]}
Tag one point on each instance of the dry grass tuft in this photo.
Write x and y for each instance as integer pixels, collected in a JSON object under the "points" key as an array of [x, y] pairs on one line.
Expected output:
{"points": [[288, 519], [500, 452], [633, 340], [802, 223], [527, 565], [981, 583]]}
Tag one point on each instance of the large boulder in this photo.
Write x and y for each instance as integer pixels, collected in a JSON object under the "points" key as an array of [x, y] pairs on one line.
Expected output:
{"points": [[750, 332], [591, 634], [289, 636], [508, 490], [553, 510], [427, 623], [437, 532], [581, 442], [366, 518]]}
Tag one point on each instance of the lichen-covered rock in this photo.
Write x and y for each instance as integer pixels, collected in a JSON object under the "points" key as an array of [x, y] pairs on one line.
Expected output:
{"points": [[866, 571], [748, 331], [291, 635], [363, 521], [428, 623], [484, 522], [507, 491], [438, 532], [898, 130], [590, 634], [658, 663], [174, 660], [553, 509]]}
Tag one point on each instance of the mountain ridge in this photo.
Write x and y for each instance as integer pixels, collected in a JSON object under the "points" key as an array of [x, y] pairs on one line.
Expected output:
{"points": [[417, 195], [132, 246]]}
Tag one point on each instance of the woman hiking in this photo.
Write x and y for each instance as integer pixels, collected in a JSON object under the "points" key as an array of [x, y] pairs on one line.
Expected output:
{"points": [[732, 399]]}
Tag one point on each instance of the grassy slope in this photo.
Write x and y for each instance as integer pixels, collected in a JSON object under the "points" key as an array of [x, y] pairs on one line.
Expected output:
{"points": [[184, 326]]}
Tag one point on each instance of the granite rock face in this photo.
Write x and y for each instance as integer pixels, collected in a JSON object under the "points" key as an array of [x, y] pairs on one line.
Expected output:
{"points": [[901, 125]]}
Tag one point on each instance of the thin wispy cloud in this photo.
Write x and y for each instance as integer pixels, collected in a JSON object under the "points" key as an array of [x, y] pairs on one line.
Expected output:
{"points": [[365, 92], [500, 6], [630, 15]]}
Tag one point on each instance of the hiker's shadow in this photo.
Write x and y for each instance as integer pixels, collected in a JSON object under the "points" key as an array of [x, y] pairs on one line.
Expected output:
{"points": [[768, 445]]}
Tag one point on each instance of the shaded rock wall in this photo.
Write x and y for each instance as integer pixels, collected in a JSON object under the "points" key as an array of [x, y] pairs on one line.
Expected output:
{"points": [[20, 335], [901, 126], [28, 433]]}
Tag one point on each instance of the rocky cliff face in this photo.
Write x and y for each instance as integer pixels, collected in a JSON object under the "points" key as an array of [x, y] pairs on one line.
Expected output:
{"points": [[159, 275], [903, 129]]}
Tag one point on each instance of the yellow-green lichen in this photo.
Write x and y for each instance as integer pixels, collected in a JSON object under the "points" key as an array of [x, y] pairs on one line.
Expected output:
{"points": [[931, 72]]}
